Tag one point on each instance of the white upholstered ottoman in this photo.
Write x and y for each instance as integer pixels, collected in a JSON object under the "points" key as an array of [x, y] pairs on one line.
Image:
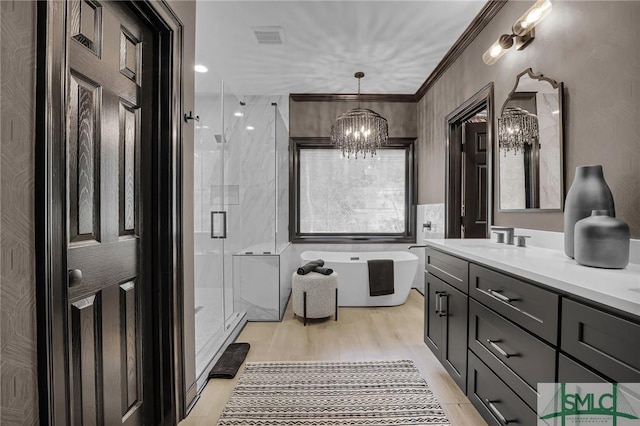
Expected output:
{"points": [[314, 295]]}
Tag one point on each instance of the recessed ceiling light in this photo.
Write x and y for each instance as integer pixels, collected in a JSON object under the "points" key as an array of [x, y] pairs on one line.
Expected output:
{"points": [[200, 68], [238, 114], [250, 128]]}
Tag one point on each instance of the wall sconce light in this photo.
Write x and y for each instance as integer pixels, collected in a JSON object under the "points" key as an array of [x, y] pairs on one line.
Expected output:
{"points": [[522, 31]]}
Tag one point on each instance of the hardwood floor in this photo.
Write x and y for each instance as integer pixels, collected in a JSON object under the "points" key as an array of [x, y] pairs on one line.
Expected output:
{"points": [[359, 334]]}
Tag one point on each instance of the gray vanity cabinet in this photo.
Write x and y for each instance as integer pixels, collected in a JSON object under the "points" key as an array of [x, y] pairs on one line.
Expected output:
{"points": [[520, 359], [570, 371], [493, 399], [520, 333], [608, 343], [530, 307], [445, 316], [450, 269], [433, 328], [513, 330]]}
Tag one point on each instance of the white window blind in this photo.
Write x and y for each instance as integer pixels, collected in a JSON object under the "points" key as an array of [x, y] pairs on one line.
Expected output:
{"points": [[352, 196]]}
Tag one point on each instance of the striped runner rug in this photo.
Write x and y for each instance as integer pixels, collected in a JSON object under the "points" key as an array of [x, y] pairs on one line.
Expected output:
{"points": [[332, 393]]}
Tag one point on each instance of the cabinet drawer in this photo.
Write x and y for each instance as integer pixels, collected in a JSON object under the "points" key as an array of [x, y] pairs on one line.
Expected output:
{"points": [[448, 268], [607, 343], [570, 371], [519, 358], [531, 307], [493, 399]]}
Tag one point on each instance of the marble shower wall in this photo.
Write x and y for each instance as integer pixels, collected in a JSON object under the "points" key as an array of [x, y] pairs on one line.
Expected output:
{"points": [[259, 157]]}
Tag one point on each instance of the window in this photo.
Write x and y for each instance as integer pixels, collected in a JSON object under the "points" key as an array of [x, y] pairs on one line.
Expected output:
{"points": [[340, 199]]}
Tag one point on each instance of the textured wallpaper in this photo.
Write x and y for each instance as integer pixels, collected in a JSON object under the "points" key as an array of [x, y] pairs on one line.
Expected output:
{"points": [[313, 119], [19, 397], [591, 47]]}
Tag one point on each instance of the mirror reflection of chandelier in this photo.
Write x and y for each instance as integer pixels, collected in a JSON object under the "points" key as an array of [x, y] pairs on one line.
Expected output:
{"points": [[359, 130], [517, 127]]}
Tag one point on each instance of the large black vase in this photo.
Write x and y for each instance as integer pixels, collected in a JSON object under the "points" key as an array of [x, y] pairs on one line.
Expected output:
{"points": [[588, 192]]}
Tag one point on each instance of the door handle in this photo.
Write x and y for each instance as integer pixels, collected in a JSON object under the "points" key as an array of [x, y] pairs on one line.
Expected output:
{"points": [[224, 224], [75, 277]]}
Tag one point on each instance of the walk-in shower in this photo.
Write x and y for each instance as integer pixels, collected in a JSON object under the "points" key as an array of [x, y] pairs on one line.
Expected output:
{"points": [[240, 210]]}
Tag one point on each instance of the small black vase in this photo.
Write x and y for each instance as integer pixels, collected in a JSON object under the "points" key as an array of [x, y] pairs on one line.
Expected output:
{"points": [[602, 241], [588, 192]]}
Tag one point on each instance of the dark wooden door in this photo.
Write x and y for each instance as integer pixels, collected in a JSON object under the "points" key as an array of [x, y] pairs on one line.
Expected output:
{"points": [[110, 74], [474, 193]]}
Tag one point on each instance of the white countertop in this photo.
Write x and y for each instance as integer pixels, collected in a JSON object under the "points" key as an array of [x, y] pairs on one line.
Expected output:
{"points": [[617, 288]]}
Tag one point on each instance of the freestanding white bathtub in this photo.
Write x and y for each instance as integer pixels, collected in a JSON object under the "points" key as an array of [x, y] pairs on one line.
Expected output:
{"points": [[353, 275]]}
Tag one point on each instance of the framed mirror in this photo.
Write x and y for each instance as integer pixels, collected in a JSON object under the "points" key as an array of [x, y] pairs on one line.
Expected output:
{"points": [[530, 140]]}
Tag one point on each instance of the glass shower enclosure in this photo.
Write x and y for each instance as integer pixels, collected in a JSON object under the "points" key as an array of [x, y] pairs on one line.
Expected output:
{"points": [[216, 211]]}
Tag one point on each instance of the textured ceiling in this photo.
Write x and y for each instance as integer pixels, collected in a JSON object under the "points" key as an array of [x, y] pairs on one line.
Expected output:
{"points": [[396, 43]]}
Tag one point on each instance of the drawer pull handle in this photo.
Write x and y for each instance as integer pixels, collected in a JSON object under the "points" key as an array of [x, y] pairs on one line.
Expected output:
{"points": [[493, 295], [498, 348], [497, 295], [497, 412]]}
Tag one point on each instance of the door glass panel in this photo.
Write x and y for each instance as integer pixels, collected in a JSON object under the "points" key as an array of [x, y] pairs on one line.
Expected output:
{"points": [[208, 251], [232, 119], [217, 160]]}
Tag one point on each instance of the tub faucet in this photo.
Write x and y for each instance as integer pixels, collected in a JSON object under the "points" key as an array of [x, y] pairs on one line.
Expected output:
{"points": [[508, 232], [416, 246]]}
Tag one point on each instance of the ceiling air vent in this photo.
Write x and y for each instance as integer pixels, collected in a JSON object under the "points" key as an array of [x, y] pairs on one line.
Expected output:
{"points": [[269, 35]]}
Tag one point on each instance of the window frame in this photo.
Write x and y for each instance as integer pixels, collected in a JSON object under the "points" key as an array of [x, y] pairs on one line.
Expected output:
{"points": [[295, 236]]}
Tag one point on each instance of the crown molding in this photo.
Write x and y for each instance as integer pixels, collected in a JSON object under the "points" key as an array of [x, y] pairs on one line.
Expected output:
{"points": [[348, 97], [486, 14]]}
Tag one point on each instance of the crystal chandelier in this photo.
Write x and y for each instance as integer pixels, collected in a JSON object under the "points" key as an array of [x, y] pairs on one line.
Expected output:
{"points": [[517, 127], [359, 130]]}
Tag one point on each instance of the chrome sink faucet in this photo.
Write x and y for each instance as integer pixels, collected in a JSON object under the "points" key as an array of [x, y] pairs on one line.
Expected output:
{"points": [[508, 233]]}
